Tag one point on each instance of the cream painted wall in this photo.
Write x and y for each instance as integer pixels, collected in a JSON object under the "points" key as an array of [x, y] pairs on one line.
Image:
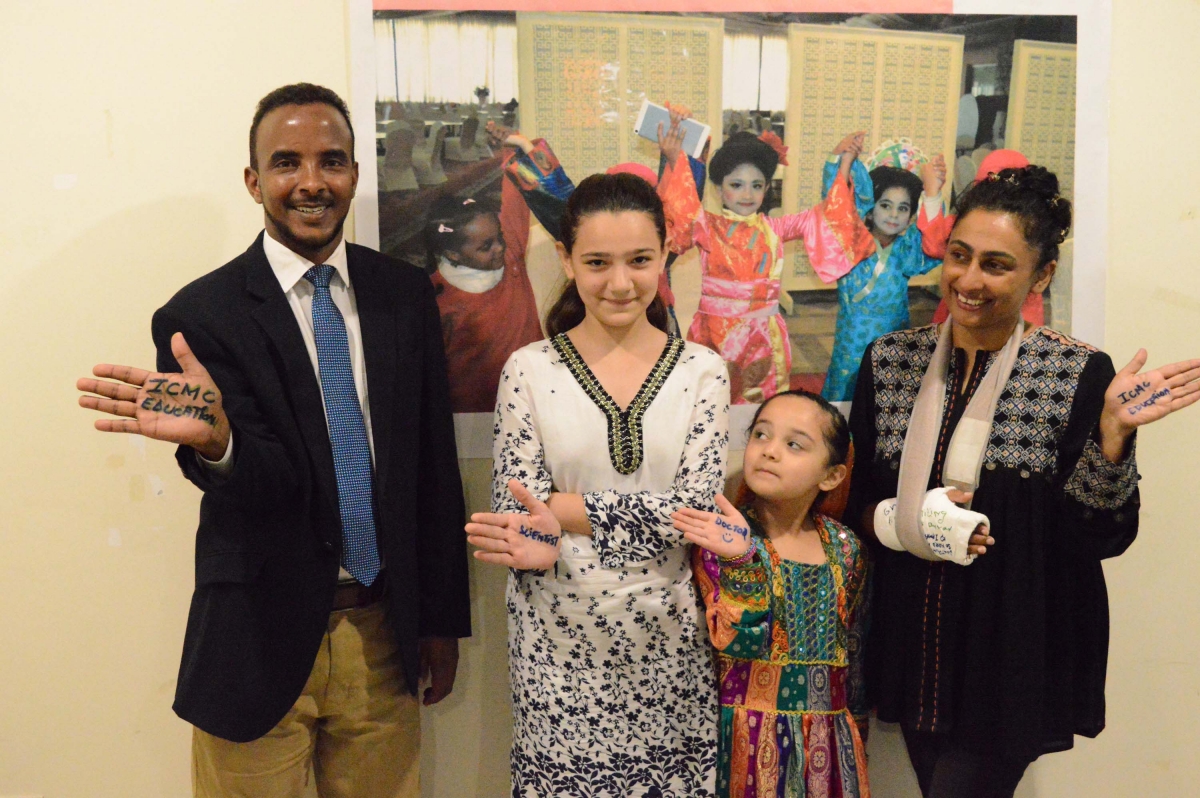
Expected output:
{"points": [[125, 130]]}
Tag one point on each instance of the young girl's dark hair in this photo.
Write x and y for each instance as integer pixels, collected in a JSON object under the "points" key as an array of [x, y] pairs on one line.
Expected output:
{"points": [[885, 177], [742, 148], [837, 431], [837, 442], [444, 227], [1031, 196], [604, 193]]}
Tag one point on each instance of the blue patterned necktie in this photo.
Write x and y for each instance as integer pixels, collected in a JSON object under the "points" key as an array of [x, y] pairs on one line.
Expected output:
{"points": [[347, 432]]}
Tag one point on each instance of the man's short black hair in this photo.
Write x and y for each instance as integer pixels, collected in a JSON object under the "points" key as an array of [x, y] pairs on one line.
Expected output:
{"points": [[297, 94]]}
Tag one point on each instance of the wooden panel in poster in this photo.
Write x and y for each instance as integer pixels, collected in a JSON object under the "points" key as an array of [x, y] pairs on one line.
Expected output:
{"points": [[1041, 107], [582, 78], [891, 84]]}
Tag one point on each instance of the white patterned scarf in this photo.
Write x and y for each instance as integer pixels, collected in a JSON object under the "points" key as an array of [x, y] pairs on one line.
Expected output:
{"points": [[964, 456]]}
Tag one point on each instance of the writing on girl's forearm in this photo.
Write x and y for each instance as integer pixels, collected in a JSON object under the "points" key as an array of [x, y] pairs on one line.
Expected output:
{"points": [[731, 530], [170, 397], [538, 537]]}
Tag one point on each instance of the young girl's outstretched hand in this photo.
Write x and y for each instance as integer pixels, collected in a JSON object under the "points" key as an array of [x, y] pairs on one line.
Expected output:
{"points": [[524, 542], [725, 534], [670, 142], [849, 149]]}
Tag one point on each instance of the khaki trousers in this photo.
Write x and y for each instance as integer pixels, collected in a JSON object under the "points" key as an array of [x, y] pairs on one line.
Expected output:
{"points": [[355, 723]]}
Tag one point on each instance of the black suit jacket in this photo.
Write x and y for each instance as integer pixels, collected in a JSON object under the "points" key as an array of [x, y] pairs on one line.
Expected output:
{"points": [[269, 541]]}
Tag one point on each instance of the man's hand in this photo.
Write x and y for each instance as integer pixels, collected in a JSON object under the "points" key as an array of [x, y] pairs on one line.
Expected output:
{"points": [[439, 664], [182, 408]]}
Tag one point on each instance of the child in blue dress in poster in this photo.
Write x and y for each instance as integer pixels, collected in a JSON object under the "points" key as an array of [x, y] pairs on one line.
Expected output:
{"points": [[873, 295]]}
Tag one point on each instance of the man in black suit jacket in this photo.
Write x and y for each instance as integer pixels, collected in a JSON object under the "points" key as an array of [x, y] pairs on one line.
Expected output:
{"points": [[288, 659]]}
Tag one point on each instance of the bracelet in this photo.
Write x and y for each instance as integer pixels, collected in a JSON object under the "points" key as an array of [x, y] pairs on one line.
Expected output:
{"points": [[741, 559]]}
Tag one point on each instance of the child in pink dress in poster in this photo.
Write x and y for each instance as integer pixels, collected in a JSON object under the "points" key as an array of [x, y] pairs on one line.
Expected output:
{"points": [[741, 251]]}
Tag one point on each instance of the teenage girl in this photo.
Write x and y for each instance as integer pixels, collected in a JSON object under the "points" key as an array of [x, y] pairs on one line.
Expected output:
{"points": [[602, 432]]}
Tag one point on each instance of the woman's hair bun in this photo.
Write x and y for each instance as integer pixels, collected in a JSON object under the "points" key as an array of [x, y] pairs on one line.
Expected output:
{"points": [[1031, 194]]}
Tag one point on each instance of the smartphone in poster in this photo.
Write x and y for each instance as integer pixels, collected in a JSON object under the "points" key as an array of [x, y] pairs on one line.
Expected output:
{"points": [[695, 134]]}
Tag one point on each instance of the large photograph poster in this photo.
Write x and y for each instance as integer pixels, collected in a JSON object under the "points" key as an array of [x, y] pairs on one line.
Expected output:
{"points": [[485, 120]]}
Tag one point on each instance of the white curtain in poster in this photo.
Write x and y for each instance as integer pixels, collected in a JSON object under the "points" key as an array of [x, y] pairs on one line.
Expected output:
{"points": [[444, 60]]}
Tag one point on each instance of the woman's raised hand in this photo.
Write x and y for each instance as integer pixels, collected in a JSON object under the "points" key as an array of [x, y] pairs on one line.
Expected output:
{"points": [[725, 534], [517, 540], [1134, 399]]}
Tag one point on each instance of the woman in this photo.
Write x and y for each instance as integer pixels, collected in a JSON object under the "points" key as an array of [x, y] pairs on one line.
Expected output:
{"points": [[614, 425], [998, 655]]}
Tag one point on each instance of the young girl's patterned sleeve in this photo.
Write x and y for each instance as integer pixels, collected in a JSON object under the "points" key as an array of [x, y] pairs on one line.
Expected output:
{"points": [[516, 446], [909, 256], [935, 233], [681, 203], [633, 527], [544, 190], [834, 235], [858, 596], [737, 601], [862, 188]]}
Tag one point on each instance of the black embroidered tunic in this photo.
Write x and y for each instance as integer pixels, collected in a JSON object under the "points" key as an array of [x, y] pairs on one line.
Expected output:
{"points": [[1007, 655]]}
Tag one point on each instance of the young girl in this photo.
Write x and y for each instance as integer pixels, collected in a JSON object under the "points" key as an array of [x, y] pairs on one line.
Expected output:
{"points": [[786, 593], [601, 433], [873, 296], [475, 255], [741, 252]]}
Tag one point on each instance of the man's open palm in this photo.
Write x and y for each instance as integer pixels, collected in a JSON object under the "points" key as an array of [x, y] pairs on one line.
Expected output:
{"points": [[180, 408]]}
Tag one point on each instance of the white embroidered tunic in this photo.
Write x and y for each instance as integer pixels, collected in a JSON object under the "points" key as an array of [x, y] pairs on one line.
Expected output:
{"points": [[612, 679]]}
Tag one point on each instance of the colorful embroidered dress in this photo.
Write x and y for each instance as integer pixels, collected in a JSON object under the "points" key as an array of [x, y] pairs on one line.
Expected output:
{"points": [[741, 262], [789, 637], [873, 296]]}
